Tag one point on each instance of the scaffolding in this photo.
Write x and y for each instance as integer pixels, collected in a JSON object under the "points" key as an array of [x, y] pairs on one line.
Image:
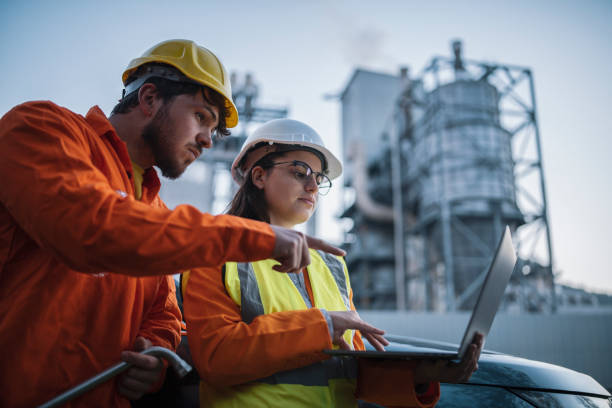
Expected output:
{"points": [[464, 159]]}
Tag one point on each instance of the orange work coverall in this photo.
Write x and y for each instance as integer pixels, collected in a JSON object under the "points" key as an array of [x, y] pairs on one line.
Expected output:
{"points": [[82, 262], [227, 351]]}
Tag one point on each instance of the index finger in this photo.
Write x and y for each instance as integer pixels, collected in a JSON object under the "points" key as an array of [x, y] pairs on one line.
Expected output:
{"points": [[141, 360], [376, 340], [316, 243], [364, 328]]}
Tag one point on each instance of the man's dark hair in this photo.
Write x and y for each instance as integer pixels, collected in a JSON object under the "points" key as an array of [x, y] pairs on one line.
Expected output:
{"points": [[249, 201], [168, 90]]}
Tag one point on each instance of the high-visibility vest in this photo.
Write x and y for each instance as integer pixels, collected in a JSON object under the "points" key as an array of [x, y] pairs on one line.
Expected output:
{"points": [[258, 290]]}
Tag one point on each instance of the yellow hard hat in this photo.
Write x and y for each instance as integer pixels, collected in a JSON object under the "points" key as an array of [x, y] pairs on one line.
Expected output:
{"points": [[196, 63]]}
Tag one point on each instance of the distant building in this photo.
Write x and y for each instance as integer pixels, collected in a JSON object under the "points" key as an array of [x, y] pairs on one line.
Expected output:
{"points": [[436, 167]]}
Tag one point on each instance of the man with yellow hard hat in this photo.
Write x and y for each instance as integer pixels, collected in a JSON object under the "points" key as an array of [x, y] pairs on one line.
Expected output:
{"points": [[87, 245]]}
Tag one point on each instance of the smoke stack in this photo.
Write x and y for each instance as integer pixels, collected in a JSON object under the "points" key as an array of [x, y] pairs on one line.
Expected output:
{"points": [[457, 45]]}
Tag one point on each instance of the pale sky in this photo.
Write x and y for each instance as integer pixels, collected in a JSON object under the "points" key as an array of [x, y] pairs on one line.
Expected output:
{"points": [[73, 52]]}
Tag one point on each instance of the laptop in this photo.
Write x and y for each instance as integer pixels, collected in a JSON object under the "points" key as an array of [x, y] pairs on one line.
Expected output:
{"points": [[489, 298]]}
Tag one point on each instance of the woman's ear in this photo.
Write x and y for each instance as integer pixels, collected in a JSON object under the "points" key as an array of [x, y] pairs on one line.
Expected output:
{"points": [[258, 177]]}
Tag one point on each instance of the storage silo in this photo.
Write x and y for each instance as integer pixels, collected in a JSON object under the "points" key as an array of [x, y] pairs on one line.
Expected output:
{"points": [[461, 178], [450, 157]]}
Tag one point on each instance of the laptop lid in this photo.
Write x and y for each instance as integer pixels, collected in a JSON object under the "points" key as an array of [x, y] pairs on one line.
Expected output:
{"points": [[491, 292], [488, 301]]}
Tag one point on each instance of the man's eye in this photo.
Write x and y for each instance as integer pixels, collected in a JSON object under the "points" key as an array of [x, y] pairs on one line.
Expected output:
{"points": [[200, 117]]}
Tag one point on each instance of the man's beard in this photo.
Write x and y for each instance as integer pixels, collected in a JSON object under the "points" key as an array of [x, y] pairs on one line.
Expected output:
{"points": [[157, 136]]}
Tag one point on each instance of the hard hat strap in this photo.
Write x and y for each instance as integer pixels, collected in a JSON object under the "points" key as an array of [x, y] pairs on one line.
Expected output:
{"points": [[254, 155], [260, 150], [159, 71]]}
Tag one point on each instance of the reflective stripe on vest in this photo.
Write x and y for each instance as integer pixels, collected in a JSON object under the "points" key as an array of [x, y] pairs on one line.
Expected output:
{"points": [[251, 304], [317, 374], [337, 270], [250, 298]]}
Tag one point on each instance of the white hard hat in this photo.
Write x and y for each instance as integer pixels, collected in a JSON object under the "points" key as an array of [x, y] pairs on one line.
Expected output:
{"points": [[278, 133]]}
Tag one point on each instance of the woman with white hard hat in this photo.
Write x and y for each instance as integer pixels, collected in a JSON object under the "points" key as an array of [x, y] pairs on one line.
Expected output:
{"points": [[257, 335], [272, 140]]}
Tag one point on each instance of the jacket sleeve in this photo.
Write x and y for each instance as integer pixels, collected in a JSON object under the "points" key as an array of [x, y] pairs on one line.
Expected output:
{"points": [[56, 194], [219, 339], [162, 323], [388, 382]]}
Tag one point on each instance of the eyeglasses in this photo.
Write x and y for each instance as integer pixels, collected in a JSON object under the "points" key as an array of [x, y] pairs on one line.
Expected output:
{"points": [[302, 173]]}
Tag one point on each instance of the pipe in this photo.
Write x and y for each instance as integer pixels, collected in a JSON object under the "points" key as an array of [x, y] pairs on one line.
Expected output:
{"points": [[399, 234], [364, 202], [180, 367]]}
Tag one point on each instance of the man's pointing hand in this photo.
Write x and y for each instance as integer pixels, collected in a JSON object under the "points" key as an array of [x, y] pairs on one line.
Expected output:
{"points": [[291, 249]]}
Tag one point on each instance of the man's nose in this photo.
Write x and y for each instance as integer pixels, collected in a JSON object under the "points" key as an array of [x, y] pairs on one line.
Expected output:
{"points": [[204, 138]]}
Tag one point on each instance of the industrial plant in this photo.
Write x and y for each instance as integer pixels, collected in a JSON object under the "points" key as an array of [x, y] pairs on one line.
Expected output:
{"points": [[436, 165]]}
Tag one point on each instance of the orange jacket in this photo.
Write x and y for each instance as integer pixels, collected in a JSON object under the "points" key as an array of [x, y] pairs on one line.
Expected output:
{"points": [[226, 351], [81, 260]]}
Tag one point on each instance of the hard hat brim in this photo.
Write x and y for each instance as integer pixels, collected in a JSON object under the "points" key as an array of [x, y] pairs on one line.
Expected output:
{"points": [[334, 166], [196, 63]]}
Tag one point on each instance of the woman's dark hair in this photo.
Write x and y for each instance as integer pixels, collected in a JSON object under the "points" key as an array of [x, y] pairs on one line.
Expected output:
{"points": [[249, 201], [168, 90]]}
